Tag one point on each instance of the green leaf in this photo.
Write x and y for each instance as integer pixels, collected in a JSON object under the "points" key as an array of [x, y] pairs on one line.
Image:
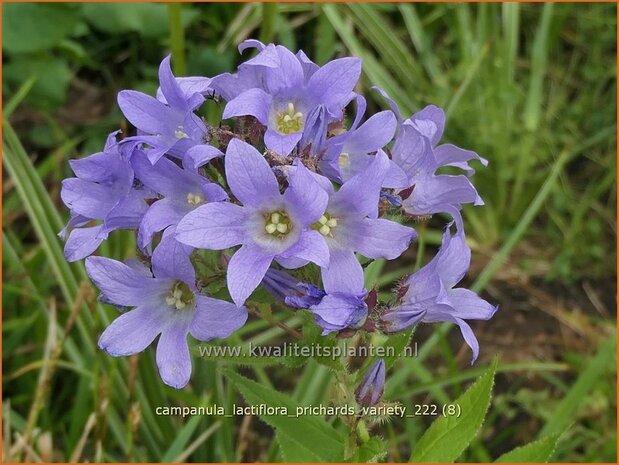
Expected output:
{"points": [[312, 337], [325, 40], [395, 345], [372, 273], [230, 355], [295, 452], [147, 19], [34, 27], [567, 408], [181, 440], [308, 438], [52, 76], [370, 452], [448, 436], [535, 452]]}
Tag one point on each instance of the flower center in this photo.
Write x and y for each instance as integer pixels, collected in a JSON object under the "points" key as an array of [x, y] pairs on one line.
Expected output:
{"points": [[180, 296], [277, 224], [194, 199], [325, 225], [289, 121], [180, 133], [344, 160]]}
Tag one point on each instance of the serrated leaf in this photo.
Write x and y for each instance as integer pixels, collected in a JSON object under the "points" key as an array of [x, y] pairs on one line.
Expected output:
{"points": [[372, 272], [313, 433], [395, 345], [312, 337], [538, 451], [447, 437], [293, 451], [370, 452]]}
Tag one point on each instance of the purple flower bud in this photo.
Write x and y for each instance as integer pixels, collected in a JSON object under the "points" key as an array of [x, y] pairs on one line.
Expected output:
{"points": [[339, 311], [290, 290], [371, 388]]}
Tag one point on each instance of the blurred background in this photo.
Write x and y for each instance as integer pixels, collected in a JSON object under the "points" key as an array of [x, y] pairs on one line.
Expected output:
{"points": [[531, 87]]}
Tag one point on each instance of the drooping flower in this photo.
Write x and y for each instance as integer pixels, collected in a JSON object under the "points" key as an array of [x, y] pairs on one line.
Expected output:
{"points": [[430, 295], [416, 153], [341, 310], [283, 98], [102, 192], [291, 291], [180, 190], [431, 193], [371, 388], [170, 127], [350, 225], [165, 304], [268, 226]]}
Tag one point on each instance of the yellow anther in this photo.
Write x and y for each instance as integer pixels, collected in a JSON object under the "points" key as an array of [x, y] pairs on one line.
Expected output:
{"points": [[289, 121], [180, 295], [180, 133], [325, 225], [194, 199]]}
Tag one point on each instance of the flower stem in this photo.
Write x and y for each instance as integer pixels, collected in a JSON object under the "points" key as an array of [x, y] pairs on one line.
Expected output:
{"points": [[293, 332], [177, 39]]}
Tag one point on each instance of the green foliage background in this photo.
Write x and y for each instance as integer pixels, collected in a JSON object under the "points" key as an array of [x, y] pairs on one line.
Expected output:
{"points": [[531, 87]]}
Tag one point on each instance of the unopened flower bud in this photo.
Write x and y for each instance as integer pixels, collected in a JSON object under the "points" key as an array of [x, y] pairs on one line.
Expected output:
{"points": [[371, 388]]}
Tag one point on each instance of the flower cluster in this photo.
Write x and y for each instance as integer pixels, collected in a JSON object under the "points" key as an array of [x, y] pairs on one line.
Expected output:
{"points": [[284, 182]]}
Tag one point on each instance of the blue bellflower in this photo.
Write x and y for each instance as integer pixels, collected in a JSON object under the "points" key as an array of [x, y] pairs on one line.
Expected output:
{"points": [[268, 225], [102, 192], [180, 190], [164, 128], [430, 296], [165, 303], [291, 291], [284, 98]]}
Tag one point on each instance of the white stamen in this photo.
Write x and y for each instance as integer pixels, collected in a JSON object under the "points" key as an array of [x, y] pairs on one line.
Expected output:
{"points": [[323, 219], [282, 228], [275, 217], [180, 133], [194, 199], [324, 230], [332, 223], [270, 228]]}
